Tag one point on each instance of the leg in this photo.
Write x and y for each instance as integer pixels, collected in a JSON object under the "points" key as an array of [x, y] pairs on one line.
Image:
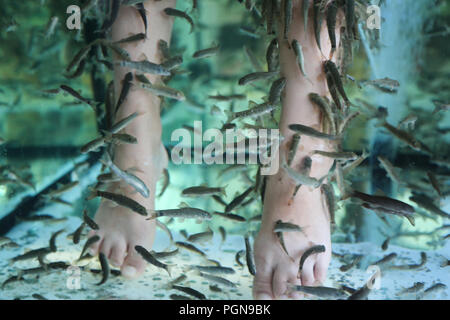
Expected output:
{"points": [[121, 229], [274, 267]]}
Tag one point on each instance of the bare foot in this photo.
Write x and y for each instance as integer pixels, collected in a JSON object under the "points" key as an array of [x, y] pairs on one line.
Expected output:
{"points": [[274, 268], [121, 229]]}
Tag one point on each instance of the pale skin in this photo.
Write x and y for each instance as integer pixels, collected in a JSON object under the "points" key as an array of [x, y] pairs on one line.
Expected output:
{"points": [[121, 229]]}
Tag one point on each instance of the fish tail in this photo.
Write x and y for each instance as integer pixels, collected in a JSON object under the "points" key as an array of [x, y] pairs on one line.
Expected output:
{"points": [[224, 191], [169, 269], [92, 193]]}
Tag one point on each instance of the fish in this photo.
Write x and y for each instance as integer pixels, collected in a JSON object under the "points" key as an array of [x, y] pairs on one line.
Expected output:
{"points": [[255, 110], [328, 191], [180, 14], [212, 269], [189, 291], [230, 216], [201, 236], [350, 16], [164, 49], [385, 244], [142, 12], [395, 206], [281, 226], [186, 212], [344, 124], [347, 267], [256, 65], [218, 280], [386, 259], [77, 233], [161, 90], [325, 108], [126, 86], [166, 182], [115, 5], [287, 10], [238, 200], [231, 97], [308, 131], [331, 25], [423, 261], [256, 76], [152, 260], [89, 242], [206, 53], [203, 191], [165, 254], [313, 250], [427, 204], [336, 155], [128, 177], [435, 287], [293, 148], [386, 84], [249, 256], [305, 13], [434, 182], [172, 63], [322, 292], [105, 268], [121, 200], [144, 66], [299, 178], [190, 247], [90, 222], [249, 32], [76, 95], [238, 256], [417, 286], [440, 106], [32, 254], [387, 165], [331, 67], [332, 89], [272, 57], [223, 233], [52, 243], [93, 145], [10, 280], [407, 138], [352, 165], [37, 296], [134, 37], [318, 19], [179, 297], [276, 90], [120, 52], [298, 51]]}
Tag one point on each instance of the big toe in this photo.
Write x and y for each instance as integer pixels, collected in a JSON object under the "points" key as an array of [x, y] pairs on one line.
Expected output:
{"points": [[134, 265], [118, 252]]}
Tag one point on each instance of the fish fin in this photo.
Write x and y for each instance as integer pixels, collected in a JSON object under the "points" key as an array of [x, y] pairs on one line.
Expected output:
{"points": [[411, 220], [169, 269], [183, 205]]}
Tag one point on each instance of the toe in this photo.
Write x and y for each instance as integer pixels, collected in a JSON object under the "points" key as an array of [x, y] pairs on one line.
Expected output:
{"points": [[118, 252], [279, 281], [295, 294], [320, 269], [262, 283], [94, 248], [134, 265], [307, 274], [106, 246]]}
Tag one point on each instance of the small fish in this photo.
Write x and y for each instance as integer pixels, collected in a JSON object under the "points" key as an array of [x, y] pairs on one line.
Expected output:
{"points": [[144, 66], [11, 279], [272, 57], [386, 259], [256, 76], [77, 233], [298, 51], [76, 95], [93, 145], [281, 226], [206, 53], [189, 291], [132, 38], [121, 200], [433, 288], [416, 287], [105, 268], [231, 97], [163, 91], [166, 182], [347, 267], [37, 296], [89, 242], [331, 25], [187, 212], [255, 110], [238, 200], [331, 67], [299, 178], [151, 259], [350, 16], [249, 256], [230, 216], [256, 65], [352, 165], [249, 32], [52, 243], [392, 205], [345, 156], [390, 169], [190, 247], [276, 90], [164, 49], [201, 236], [322, 292], [332, 89], [308, 131], [202, 191], [313, 250], [344, 124], [325, 108], [142, 12], [423, 261], [386, 84], [180, 14], [407, 138], [223, 233], [305, 13], [427, 204], [172, 63], [91, 223], [212, 269], [434, 182], [178, 296], [385, 244], [126, 85], [330, 200], [32, 254], [218, 280], [129, 178], [318, 19], [287, 10], [293, 148], [115, 5], [408, 122], [238, 256]]}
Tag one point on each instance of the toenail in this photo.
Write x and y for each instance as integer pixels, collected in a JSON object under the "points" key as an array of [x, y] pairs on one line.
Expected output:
{"points": [[129, 272], [263, 296]]}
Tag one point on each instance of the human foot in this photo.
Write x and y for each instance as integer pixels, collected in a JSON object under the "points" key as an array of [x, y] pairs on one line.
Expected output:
{"points": [[121, 229], [274, 268]]}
